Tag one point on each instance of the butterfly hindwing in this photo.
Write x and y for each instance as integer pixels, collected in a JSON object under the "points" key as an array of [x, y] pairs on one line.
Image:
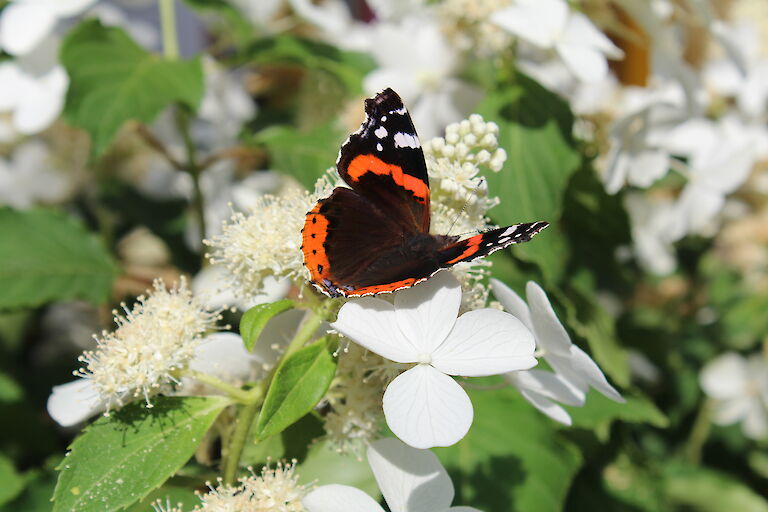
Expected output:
{"points": [[384, 163]]}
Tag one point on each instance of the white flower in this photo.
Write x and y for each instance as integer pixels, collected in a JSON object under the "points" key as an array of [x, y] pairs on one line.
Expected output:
{"points": [[575, 371], [24, 24], [154, 341], [415, 59], [211, 285], [655, 225], [266, 242], [410, 480], [720, 157], [424, 406], [27, 178], [739, 387], [274, 490], [221, 354], [550, 24]]}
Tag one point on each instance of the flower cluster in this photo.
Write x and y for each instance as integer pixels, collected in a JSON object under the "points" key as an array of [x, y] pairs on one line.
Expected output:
{"points": [[153, 341]]}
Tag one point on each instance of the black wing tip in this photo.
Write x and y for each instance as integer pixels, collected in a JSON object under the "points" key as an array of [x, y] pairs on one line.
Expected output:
{"points": [[384, 101]]}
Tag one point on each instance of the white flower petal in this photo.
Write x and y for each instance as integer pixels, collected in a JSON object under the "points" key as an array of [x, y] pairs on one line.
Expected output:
{"points": [[74, 402], [485, 342], [223, 355], [42, 102], [588, 370], [547, 384], [427, 312], [725, 377], [512, 302], [426, 408], [550, 333], [587, 64], [372, 323], [24, 25], [547, 406], [728, 412], [335, 497], [411, 480], [755, 424], [65, 8], [540, 22]]}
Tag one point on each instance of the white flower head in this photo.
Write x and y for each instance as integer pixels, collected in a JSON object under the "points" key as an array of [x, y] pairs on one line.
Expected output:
{"points": [[574, 371], [273, 490], [355, 399], [410, 480], [28, 177], [469, 27], [550, 24], [739, 387], [267, 241], [153, 342], [655, 223], [424, 406]]}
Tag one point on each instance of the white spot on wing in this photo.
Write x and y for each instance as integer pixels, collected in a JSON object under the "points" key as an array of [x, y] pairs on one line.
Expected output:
{"points": [[383, 119], [509, 231], [406, 140], [379, 147], [380, 132], [400, 111]]}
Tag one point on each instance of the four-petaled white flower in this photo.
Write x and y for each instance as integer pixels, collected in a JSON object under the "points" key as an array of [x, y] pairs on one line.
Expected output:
{"points": [[410, 480], [424, 406], [550, 24], [739, 387], [575, 371]]}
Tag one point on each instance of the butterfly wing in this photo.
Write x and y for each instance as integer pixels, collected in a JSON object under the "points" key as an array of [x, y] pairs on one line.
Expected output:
{"points": [[351, 248], [486, 243], [384, 163]]}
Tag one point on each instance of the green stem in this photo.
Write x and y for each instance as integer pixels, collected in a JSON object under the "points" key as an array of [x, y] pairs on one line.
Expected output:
{"points": [[699, 432], [168, 28], [235, 392], [247, 413], [194, 170]]}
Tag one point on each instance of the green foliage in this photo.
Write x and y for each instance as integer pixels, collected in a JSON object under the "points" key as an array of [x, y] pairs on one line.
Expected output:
{"points": [[12, 482], [324, 466], [299, 383], [707, 490], [113, 80], [46, 256], [305, 155], [348, 67], [121, 458], [10, 391], [535, 129], [36, 496], [512, 457], [600, 412], [255, 319]]}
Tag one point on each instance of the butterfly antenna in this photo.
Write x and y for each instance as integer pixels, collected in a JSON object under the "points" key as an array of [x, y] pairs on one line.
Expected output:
{"points": [[466, 203]]}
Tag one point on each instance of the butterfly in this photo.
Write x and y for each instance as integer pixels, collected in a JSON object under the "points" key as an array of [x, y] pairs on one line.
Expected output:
{"points": [[373, 237]]}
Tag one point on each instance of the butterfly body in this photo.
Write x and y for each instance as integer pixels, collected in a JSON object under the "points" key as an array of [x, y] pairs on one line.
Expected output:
{"points": [[374, 236]]}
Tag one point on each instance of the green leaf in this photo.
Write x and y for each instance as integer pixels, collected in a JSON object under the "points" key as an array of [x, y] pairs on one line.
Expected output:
{"points": [[113, 80], [535, 129], [324, 465], [121, 458], [512, 458], [299, 383], [256, 318], [11, 482], [9, 391], [348, 67], [305, 155], [707, 490], [37, 494], [45, 256]]}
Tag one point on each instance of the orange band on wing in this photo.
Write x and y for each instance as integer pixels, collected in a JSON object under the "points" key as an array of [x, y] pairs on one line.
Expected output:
{"points": [[382, 288], [473, 245], [363, 164], [313, 239]]}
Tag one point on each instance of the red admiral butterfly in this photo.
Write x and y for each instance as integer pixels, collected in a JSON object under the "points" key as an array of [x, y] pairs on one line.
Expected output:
{"points": [[374, 237]]}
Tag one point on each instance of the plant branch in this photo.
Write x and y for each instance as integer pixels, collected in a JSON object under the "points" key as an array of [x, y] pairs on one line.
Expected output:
{"points": [[168, 28]]}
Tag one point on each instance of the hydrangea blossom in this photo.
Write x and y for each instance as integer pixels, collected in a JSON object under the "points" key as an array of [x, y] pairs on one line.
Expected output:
{"points": [[550, 24], [574, 371], [739, 387], [28, 178], [424, 406], [154, 340], [410, 480]]}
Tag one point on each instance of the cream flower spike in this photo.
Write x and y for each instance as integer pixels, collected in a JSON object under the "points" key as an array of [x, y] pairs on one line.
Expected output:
{"points": [[424, 406], [410, 480]]}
